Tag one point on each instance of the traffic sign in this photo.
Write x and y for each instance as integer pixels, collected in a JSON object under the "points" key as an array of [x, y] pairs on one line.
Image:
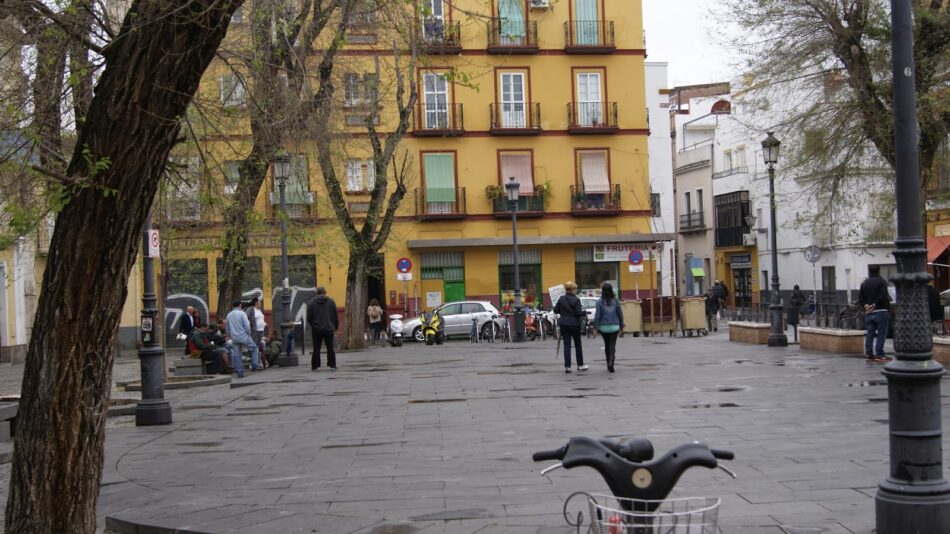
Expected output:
{"points": [[153, 248], [812, 254], [636, 268], [404, 277], [403, 265], [635, 257]]}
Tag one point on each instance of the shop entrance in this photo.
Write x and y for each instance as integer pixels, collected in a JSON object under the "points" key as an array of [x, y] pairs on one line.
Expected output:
{"points": [[742, 287]]}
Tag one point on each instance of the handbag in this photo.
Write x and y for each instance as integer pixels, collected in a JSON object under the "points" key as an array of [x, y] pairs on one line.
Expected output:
{"points": [[181, 336]]}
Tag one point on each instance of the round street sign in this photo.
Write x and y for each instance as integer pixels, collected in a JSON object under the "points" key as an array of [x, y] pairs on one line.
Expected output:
{"points": [[403, 265], [635, 257], [812, 254]]}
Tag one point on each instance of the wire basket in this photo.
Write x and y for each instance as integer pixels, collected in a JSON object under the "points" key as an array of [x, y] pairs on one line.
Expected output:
{"points": [[616, 515]]}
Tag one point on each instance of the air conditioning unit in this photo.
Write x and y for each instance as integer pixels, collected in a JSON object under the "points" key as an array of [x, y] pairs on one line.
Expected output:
{"points": [[540, 4], [748, 240]]}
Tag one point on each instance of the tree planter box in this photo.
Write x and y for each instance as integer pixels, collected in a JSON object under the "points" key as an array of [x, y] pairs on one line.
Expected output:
{"points": [[746, 332], [831, 340], [190, 367], [942, 350]]}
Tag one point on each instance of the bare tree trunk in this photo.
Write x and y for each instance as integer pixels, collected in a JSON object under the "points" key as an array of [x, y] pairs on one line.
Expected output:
{"points": [[151, 73]]}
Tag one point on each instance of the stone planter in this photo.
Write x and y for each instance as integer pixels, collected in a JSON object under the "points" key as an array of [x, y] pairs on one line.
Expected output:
{"points": [[831, 340], [746, 332], [942, 350]]}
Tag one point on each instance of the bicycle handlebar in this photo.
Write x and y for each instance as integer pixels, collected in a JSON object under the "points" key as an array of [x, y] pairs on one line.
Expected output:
{"points": [[631, 472]]}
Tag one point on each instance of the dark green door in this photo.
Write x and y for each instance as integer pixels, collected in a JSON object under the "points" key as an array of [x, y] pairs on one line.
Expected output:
{"points": [[454, 291]]}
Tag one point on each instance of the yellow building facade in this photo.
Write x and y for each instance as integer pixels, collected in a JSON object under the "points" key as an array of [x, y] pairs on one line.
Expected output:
{"points": [[549, 93]]}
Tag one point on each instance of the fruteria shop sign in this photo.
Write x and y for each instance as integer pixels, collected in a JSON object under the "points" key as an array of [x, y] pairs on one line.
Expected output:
{"points": [[619, 251]]}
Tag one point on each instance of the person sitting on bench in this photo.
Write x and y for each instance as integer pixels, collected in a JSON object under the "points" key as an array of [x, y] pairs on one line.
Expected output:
{"points": [[200, 346]]}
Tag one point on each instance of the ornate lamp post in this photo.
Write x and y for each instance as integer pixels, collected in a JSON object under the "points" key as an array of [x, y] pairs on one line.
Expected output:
{"points": [[153, 409], [512, 188], [914, 497], [777, 337], [281, 170]]}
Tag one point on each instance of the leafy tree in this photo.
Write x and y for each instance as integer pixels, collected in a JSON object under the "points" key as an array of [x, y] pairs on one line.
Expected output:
{"points": [[149, 69]]}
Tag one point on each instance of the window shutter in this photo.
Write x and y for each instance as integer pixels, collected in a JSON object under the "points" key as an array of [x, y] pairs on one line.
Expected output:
{"points": [[519, 166], [440, 177]]}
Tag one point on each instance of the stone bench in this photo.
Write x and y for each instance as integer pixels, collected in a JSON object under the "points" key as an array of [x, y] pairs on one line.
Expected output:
{"points": [[748, 332], [8, 411], [190, 367], [831, 340], [942, 350]]}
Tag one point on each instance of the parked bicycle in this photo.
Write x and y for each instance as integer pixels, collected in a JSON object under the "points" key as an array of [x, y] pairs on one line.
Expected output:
{"points": [[640, 486]]}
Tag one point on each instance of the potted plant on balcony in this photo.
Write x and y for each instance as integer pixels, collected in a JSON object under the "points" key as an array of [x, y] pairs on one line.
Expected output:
{"points": [[579, 198], [495, 193]]}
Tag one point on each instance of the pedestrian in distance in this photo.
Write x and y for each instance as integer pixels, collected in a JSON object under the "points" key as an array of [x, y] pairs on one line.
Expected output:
{"points": [[712, 311], [324, 321], [239, 329], [873, 295], [185, 326], [721, 292], [272, 347], [201, 346], [375, 314], [608, 319], [570, 312]]}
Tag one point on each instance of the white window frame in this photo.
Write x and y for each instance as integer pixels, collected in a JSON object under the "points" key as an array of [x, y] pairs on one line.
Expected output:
{"points": [[435, 102], [232, 90], [589, 107], [513, 109]]}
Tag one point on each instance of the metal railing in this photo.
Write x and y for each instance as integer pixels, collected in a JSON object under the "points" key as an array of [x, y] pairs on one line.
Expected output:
{"points": [[692, 221], [583, 201], [585, 34], [439, 35], [515, 117], [435, 118], [729, 172], [426, 208], [592, 115], [526, 203], [509, 36], [731, 236]]}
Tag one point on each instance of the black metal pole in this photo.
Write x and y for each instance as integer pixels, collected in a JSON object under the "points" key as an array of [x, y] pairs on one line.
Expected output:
{"points": [[518, 319], [777, 337], [914, 497], [286, 321], [153, 409]]}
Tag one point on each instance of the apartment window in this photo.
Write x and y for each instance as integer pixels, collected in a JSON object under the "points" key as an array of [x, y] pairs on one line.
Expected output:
{"points": [[513, 100], [699, 199], [655, 206], [232, 90], [362, 25], [232, 175], [435, 100], [513, 22], [518, 165], [590, 105], [360, 175], [740, 159], [184, 194], [594, 174], [687, 204], [439, 176], [433, 20], [297, 188], [727, 160], [360, 90]]}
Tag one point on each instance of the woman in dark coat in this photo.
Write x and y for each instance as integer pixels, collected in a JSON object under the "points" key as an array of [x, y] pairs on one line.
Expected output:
{"points": [[570, 312]]}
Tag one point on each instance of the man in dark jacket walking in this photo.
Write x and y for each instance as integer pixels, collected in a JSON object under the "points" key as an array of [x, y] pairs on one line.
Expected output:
{"points": [[876, 300], [323, 319]]}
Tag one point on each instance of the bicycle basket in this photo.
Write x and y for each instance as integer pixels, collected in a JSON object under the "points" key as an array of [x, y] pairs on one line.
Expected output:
{"points": [[616, 515]]}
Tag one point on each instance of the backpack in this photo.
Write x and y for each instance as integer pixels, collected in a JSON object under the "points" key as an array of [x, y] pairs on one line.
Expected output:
{"points": [[374, 313]]}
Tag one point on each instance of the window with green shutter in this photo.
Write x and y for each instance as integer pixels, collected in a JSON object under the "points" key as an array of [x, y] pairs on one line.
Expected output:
{"points": [[439, 172]]}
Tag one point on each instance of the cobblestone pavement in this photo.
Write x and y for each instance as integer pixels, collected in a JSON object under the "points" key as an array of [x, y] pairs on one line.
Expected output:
{"points": [[439, 439]]}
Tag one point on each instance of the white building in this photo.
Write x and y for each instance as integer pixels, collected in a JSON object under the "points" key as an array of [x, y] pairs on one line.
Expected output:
{"points": [[661, 169]]}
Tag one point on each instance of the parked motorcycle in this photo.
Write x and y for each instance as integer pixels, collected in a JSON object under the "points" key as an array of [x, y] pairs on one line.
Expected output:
{"points": [[433, 328], [394, 333]]}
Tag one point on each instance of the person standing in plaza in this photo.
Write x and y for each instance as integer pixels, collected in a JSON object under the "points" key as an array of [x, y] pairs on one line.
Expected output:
{"points": [[259, 323], [570, 311], [375, 314], [876, 300], [712, 311], [324, 321], [608, 320], [239, 330]]}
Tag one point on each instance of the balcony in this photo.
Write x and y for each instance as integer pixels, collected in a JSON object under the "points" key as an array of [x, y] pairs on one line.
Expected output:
{"points": [[529, 206], [691, 222], [508, 38], [428, 210], [440, 37], [592, 118], [585, 204], [518, 118], [589, 37], [729, 172], [438, 120], [297, 206], [732, 236]]}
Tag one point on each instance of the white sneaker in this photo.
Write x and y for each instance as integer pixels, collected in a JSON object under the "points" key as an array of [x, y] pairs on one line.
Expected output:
{"points": [[583, 368]]}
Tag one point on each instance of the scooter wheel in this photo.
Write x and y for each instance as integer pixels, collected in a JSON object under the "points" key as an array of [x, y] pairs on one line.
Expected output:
{"points": [[430, 339]]}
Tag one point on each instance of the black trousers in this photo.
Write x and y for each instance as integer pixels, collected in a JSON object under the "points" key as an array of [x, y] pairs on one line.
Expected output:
{"points": [[213, 360], [320, 338], [610, 346], [569, 334]]}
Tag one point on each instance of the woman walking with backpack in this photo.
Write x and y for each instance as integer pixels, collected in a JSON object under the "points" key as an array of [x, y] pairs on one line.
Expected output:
{"points": [[608, 319], [375, 314]]}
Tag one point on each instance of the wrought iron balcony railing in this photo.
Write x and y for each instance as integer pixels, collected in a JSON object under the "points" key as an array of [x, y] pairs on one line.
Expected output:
{"points": [[592, 118], [440, 36], [584, 203], [439, 120], [429, 209], [692, 221], [515, 118], [507, 36], [589, 37], [528, 206]]}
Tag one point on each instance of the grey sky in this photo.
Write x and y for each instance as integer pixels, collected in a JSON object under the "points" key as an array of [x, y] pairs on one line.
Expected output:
{"points": [[678, 32]]}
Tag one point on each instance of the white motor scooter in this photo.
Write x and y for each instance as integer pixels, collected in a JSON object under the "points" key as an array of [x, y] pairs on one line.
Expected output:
{"points": [[394, 332]]}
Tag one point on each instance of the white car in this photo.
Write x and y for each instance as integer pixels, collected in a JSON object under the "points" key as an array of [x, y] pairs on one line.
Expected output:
{"points": [[588, 303], [458, 319]]}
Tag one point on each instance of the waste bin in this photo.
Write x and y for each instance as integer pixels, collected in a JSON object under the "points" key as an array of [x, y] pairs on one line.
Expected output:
{"points": [[632, 317], [693, 316]]}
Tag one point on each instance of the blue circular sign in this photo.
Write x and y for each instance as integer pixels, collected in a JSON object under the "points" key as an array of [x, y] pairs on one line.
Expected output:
{"points": [[403, 265], [635, 257]]}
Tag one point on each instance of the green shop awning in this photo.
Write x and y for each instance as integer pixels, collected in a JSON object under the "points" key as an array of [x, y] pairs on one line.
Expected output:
{"points": [[697, 271]]}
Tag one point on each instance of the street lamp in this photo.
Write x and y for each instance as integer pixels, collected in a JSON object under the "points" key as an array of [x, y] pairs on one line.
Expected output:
{"points": [[512, 188], [281, 169], [777, 337], [153, 409], [914, 497]]}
